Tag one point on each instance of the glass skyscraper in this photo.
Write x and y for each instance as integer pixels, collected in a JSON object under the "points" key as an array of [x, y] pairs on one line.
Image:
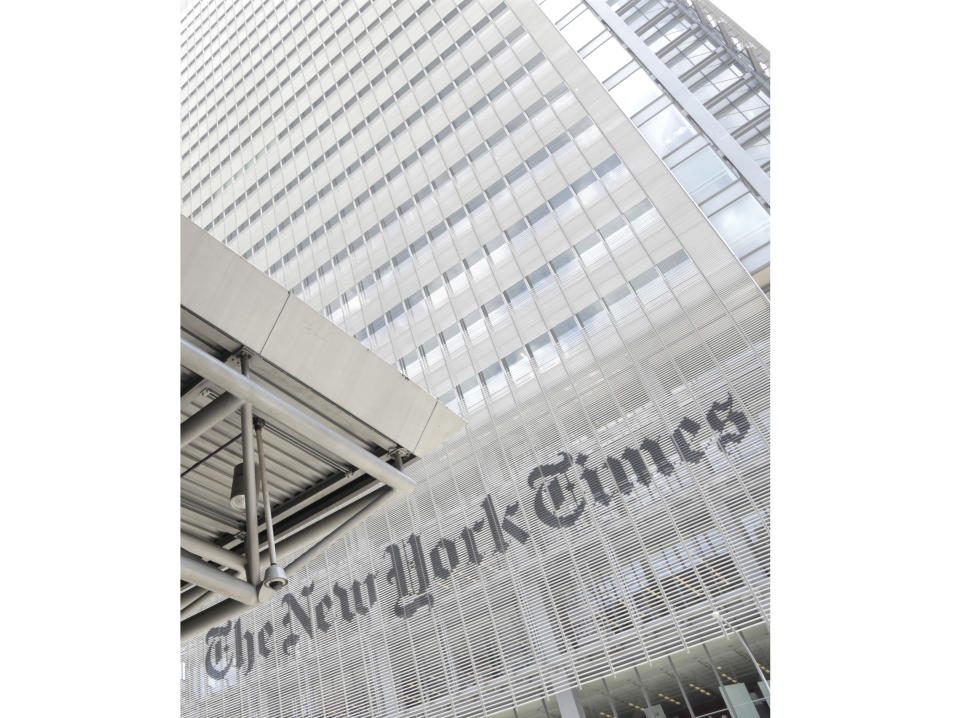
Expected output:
{"points": [[547, 215]]}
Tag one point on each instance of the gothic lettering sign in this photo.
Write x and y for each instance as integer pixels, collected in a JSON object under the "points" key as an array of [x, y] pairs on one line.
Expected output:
{"points": [[406, 584]]}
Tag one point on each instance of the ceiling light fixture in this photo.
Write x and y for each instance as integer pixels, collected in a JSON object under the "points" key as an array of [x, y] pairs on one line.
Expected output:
{"points": [[238, 499]]}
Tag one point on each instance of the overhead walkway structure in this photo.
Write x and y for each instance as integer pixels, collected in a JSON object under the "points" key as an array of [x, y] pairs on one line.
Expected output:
{"points": [[291, 433]]}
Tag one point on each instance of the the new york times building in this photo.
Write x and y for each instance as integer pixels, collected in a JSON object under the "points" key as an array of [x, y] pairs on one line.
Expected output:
{"points": [[457, 187]]}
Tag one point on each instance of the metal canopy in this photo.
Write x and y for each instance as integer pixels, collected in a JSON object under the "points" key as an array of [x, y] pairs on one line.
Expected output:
{"points": [[338, 424]]}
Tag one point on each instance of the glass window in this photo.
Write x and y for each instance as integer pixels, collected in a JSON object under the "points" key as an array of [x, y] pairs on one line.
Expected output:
{"points": [[644, 278], [537, 276], [591, 249], [607, 59], [411, 363], [673, 261], [635, 93], [565, 332], [514, 293], [496, 310], [757, 259], [592, 316], [414, 299], [518, 364], [395, 312], [431, 352], [494, 378], [581, 183], [579, 32], [367, 285], [556, 9], [450, 399], [704, 174], [561, 197], [607, 165], [479, 269], [667, 130], [384, 271], [351, 301], [543, 351], [458, 282], [419, 244], [378, 325], [452, 337], [470, 391], [562, 260], [437, 292], [473, 324], [745, 225]]}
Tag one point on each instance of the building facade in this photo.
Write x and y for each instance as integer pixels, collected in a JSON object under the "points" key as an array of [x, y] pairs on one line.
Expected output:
{"points": [[548, 216]]}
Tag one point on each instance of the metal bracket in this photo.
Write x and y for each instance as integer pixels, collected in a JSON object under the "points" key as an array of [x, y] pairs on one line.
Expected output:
{"points": [[399, 455]]}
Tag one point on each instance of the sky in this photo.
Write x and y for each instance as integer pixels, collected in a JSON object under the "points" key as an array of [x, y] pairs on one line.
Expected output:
{"points": [[754, 16]]}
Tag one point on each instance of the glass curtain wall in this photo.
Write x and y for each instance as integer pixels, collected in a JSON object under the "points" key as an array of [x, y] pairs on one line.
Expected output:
{"points": [[721, 80]]}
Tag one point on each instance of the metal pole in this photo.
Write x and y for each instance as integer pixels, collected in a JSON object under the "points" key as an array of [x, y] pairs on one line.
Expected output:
{"points": [[606, 691], [191, 595], [206, 457], [205, 575], [211, 552], [208, 417], [713, 667], [250, 485], [285, 413], [725, 624], [676, 677], [231, 608], [382, 499], [214, 616], [287, 547], [755, 664], [643, 690], [262, 471]]}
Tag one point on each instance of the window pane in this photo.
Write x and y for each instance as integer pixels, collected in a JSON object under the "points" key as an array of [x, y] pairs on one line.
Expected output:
{"points": [[635, 93], [666, 131], [704, 174], [745, 225], [607, 59], [556, 9], [582, 30]]}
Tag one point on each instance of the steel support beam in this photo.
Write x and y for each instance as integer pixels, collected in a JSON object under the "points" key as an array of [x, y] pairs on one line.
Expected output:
{"points": [[209, 416], [232, 607], [213, 616], [267, 518], [252, 552], [380, 500], [282, 411], [568, 701], [756, 665], [191, 595], [205, 575], [211, 552], [299, 502], [329, 520]]}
